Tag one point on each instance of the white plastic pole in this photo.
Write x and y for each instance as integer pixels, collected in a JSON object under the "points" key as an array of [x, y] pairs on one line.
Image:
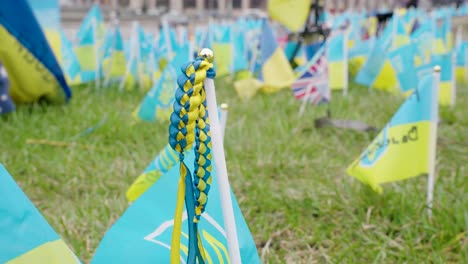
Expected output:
{"points": [[433, 139], [167, 36], [223, 118], [221, 169], [454, 81], [133, 35]]}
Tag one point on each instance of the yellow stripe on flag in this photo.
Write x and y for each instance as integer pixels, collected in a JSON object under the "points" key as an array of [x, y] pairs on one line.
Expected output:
{"points": [[397, 153], [86, 55], [292, 14], [30, 80], [55, 252], [277, 72], [336, 75], [445, 93], [223, 60], [387, 79]]}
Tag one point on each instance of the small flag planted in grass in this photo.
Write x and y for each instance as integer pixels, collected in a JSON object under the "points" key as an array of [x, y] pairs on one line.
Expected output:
{"points": [[405, 148]]}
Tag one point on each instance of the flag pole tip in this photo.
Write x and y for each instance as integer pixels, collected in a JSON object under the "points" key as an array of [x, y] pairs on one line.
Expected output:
{"points": [[437, 68], [224, 106], [207, 53]]}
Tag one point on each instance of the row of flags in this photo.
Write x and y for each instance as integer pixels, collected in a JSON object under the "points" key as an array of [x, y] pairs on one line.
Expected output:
{"points": [[398, 60], [256, 54]]}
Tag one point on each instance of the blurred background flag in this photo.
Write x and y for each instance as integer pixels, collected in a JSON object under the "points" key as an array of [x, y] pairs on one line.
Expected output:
{"points": [[337, 58], [87, 52], [403, 148], [157, 104], [447, 90], [69, 60], [292, 14], [402, 60], [313, 83], [25, 236], [276, 72], [28, 58]]}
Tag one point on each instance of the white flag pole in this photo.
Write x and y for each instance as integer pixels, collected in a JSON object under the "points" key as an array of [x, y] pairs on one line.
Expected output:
{"points": [[107, 71], [433, 139], [223, 117], [220, 164], [96, 53], [133, 35], [454, 81]]}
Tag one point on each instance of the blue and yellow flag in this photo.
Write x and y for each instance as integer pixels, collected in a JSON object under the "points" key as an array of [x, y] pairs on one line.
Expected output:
{"points": [[402, 60], [447, 90], [25, 236], [461, 71], [143, 234], [276, 72], [47, 13], [239, 52], [292, 14], [337, 57], [32, 67], [406, 146], [377, 71], [222, 47], [157, 104], [87, 52], [93, 19], [114, 61], [69, 60]]}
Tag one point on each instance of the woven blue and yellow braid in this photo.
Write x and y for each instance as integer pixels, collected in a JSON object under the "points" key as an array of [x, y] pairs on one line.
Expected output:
{"points": [[190, 126]]}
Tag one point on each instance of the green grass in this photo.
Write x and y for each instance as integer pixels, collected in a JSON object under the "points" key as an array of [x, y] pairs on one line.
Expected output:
{"points": [[289, 177]]}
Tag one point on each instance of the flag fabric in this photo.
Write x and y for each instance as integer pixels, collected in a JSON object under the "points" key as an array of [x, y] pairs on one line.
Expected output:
{"points": [[47, 13], [404, 147], [292, 14], [377, 71], [143, 233], [337, 59], [157, 104], [447, 90], [164, 161], [25, 236], [32, 67], [276, 72], [402, 60], [313, 84], [223, 48], [239, 55], [69, 60], [114, 60], [93, 19], [461, 49], [87, 52]]}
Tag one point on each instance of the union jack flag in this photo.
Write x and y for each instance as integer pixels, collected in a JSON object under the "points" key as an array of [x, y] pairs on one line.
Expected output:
{"points": [[313, 85]]}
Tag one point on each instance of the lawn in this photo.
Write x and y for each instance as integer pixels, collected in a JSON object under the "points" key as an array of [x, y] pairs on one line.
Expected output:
{"points": [[288, 176]]}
